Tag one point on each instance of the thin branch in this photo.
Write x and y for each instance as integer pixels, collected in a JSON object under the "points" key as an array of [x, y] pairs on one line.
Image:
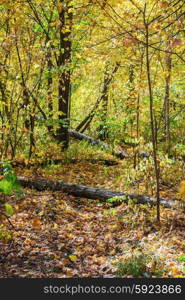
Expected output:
{"points": [[134, 4], [108, 39], [3, 214], [160, 18]]}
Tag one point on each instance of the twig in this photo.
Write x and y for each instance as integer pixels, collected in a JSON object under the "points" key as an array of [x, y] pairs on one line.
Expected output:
{"points": [[8, 220]]}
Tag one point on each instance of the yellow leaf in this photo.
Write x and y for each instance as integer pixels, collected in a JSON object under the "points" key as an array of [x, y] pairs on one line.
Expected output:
{"points": [[182, 189], [73, 258], [113, 252], [55, 226], [175, 270]]}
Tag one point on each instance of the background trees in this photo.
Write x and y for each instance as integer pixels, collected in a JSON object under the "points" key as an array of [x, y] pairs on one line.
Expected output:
{"points": [[93, 66]]}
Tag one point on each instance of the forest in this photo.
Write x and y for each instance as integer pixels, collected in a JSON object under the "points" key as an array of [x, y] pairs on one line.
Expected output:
{"points": [[92, 138]]}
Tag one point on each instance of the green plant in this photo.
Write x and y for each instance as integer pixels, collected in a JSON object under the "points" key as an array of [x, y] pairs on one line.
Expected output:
{"points": [[111, 212], [4, 234], [8, 184], [117, 199], [80, 150], [181, 259], [140, 265], [135, 266], [159, 272]]}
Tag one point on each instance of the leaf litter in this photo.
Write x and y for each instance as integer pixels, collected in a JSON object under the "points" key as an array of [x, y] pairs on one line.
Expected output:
{"points": [[58, 235]]}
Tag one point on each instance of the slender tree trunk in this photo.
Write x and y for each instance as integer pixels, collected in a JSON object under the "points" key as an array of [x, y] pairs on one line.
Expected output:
{"points": [[26, 98], [87, 120], [103, 128], [138, 100], [6, 120], [108, 77], [32, 127], [167, 103], [107, 80], [131, 87], [138, 116], [49, 84], [154, 141]]}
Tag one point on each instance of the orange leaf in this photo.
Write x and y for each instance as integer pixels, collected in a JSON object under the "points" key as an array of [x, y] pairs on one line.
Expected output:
{"points": [[36, 223]]}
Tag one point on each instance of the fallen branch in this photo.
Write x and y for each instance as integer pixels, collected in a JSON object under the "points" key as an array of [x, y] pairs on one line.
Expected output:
{"points": [[82, 191], [97, 142], [53, 161]]}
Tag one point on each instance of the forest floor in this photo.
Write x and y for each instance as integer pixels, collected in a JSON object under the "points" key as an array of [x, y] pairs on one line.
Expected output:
{"points": [[58, 235]]}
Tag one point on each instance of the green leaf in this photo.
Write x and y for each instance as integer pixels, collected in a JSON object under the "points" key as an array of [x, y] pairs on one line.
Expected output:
{"points": [[5, 187], [9, 209], [181, 258], [10, 179], [117, 199], [110, 212], [37, 28]]}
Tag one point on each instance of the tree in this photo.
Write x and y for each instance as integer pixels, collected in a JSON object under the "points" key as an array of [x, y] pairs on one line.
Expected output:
{"points": [[64, 75]]}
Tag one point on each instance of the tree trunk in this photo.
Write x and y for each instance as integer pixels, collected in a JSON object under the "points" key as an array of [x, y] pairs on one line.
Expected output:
{"points": [[167, 103], [26, 97], [152, 122], [64, 81], [87, 120], [102, 98], [49, 83], [103, 134]]}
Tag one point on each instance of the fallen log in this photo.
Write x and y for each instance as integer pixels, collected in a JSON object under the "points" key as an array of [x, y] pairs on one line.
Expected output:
{"points": [[144, 155], [88, 192], [97, 142], [53, 161]]}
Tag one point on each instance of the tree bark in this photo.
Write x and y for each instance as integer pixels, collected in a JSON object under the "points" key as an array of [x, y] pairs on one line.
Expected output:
{"points": [[64, 81], [49, 82], [167, 103], [103, 132], [88, 192]]}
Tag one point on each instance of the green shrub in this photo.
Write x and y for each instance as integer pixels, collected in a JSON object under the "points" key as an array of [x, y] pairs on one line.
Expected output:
{"points": [[181, 259], [8, 185], [135, 266], [140, 265]]}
